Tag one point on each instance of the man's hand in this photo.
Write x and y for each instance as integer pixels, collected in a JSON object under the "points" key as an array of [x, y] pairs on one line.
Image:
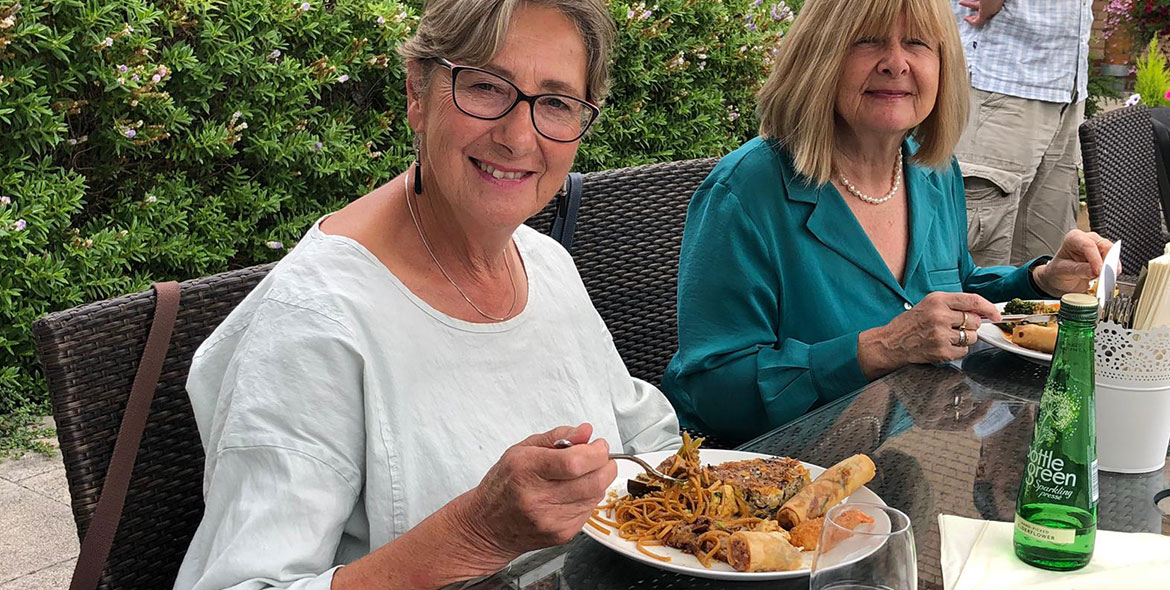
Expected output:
{"points": [[984, 10]]}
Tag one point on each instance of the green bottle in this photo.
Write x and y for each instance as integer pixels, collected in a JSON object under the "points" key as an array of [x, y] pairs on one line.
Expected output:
{"points": [[1056, 512]]}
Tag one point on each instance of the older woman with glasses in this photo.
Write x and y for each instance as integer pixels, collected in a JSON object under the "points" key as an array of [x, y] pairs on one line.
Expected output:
{"points": [[832, 249], [367, 404]]}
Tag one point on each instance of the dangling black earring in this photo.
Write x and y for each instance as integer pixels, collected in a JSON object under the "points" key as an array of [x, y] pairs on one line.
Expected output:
{"points": [[417, 178]]}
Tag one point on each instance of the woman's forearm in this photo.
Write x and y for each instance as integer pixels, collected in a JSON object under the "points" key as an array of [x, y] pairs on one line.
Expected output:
{"points": [[445, 548]]}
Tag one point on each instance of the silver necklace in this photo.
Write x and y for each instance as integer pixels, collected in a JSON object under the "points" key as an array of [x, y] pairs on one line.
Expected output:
{"points": [[423, 237], [878, 200]]}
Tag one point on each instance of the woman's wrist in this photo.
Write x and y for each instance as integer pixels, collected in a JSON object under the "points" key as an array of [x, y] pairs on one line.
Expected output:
{"points": [[874, 356], [445, 548], [1038, 275]]}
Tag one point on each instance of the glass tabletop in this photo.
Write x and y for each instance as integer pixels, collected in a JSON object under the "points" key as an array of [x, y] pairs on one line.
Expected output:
{"points": [[947, 439]]}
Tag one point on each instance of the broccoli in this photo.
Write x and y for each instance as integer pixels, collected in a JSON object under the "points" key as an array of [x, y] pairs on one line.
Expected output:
{"points": [[1019, 306]]}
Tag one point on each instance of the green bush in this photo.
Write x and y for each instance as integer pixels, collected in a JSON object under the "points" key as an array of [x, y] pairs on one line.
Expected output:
{"points": [[145, 140], [1152, 80]]}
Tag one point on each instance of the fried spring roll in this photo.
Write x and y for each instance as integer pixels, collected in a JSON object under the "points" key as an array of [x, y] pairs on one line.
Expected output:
{"points": [[749, 551], [807, 535], [1036, 337], [832, 486]]}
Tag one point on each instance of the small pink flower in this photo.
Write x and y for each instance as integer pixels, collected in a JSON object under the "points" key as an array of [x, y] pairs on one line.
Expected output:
{"points": [[130, 133], [19, 225], [381, 20], [156, 78], [1167, 95], [122, 68], [343, 78], [5, 200]]}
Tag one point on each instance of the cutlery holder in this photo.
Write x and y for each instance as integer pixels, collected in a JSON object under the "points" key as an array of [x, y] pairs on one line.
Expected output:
{"points": [[1133, 398]]}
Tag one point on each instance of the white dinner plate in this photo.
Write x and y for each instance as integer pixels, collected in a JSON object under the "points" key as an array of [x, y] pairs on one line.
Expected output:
{"points": [[992, 335], [685, 563]]}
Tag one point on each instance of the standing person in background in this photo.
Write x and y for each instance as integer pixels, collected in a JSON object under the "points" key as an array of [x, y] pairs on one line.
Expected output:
{"points": [[1028, 65]]}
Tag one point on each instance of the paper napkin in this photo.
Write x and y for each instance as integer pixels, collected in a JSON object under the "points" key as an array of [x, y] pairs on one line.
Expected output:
{"points": [[978, 554]]}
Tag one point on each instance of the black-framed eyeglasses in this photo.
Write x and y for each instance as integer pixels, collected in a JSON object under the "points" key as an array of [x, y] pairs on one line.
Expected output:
{"points": [[481, 94]]}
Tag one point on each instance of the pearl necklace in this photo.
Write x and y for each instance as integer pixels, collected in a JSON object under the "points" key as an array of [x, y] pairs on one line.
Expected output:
{"points": [[875, 200], [423, 237]]}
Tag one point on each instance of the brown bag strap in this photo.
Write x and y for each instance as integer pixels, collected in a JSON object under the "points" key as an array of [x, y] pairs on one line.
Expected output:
{"points": [[100, 535]]}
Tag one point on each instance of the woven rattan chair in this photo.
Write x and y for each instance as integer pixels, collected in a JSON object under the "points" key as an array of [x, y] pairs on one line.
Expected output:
{"points": [[629, 231], [90, 355], [1121, 182]]}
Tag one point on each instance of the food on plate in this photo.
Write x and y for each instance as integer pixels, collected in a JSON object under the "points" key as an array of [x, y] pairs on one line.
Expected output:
{"points": [[749, 551], [1019, 306], [807, 535], [827, 490], [1041, 337], [714, 504], [765, 484]]}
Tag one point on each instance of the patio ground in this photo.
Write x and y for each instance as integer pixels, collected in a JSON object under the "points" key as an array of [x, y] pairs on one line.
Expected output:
{"points": [[38, 541]]}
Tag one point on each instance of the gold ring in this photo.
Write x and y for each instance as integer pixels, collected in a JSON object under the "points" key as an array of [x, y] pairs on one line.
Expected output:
{"points": [[963, 323]]}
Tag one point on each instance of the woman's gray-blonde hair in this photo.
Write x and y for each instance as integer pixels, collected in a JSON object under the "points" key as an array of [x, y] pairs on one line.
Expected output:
{"points": [[471, 32], [796, 105]]}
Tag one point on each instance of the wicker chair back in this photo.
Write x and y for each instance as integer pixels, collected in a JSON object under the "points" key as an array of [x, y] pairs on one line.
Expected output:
{"points": [[1121, 183], [629, 231], [90, 355]]}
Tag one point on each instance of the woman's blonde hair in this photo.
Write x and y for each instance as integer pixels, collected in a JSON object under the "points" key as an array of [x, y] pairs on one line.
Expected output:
{"points": [[797, 104], [471, 32]]}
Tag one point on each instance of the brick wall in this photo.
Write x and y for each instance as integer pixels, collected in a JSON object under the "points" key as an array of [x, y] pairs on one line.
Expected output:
{"points": [[1118, 50], [1110, 57]]}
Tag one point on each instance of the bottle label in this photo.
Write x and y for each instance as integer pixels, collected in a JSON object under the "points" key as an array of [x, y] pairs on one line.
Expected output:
{"points": [[1044, 533], [1093, 479], [1050, 477]]}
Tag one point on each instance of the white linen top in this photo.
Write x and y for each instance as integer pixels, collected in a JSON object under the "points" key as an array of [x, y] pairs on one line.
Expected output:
{"points": [[338, 410]]}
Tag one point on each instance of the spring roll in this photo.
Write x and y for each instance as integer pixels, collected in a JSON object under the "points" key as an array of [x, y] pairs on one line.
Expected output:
{"points": [[832, 486], [1036, 336], [749, 551]]}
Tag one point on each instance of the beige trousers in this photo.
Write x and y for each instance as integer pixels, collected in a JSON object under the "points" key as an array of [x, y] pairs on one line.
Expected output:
{"points": [[1019, 160]]}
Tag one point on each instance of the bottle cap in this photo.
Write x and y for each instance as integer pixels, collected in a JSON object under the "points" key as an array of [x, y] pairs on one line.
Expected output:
{"points": [[1078, 307]]}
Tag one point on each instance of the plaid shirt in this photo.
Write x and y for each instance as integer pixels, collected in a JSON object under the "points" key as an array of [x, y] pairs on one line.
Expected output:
{"points": [[1035, 49]]}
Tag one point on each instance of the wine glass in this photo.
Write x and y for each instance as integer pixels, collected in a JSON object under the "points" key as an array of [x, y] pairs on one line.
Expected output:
{"points": [[865, 547]]}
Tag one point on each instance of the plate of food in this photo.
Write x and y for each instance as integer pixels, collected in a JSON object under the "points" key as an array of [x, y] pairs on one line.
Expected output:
{"points": [[1034, 341], [739, 516]]}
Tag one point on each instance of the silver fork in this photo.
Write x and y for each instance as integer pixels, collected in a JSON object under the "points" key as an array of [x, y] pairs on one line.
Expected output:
{"points": [[1020, 318], [565, 443]]}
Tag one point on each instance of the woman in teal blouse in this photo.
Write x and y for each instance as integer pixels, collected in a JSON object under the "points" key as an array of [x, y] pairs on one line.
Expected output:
{"points": [[832, 249]]}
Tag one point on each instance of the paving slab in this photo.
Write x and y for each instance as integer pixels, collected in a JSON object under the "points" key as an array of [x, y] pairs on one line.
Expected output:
{"points": [[35, 532], [30, 465], [54, 577], [51, 484]]}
